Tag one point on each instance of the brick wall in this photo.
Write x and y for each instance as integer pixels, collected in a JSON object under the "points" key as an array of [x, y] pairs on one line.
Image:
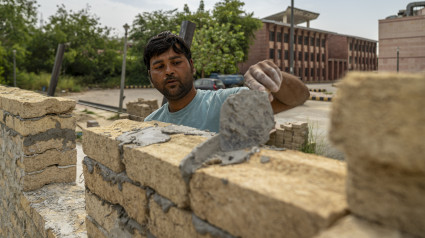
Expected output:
{"points": [[143, 188], [38, 148]]}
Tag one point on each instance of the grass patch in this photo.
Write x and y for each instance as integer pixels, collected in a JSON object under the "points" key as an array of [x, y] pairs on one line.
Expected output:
{"points": [[88, 112], [114, 117], [315, 143], [40, 82]]}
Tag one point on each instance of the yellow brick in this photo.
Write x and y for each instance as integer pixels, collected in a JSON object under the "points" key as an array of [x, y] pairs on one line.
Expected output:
{"points": [[295, 194], [51, 174]]}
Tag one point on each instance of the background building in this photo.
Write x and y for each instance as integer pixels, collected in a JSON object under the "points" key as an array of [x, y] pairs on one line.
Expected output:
{"points": [[405, 32], [319, 56]]}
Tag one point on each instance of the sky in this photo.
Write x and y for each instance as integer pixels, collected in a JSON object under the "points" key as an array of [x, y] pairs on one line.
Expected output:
{"points": [[355, 17]]}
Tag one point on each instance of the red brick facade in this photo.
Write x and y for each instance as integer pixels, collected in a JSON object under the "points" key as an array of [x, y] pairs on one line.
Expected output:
{"points": [[319, 56]]}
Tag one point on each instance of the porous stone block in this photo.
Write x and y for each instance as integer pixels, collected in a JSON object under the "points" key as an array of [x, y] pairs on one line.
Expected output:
{"points": [[354, 227], [292, 193], [37, 162], [28, 104], [51, 174], [27, 127], [105, 138], [58, 210], [106, 214], [116, 189], [175, 222], [157, 166], [94, 231], [378, 121]]}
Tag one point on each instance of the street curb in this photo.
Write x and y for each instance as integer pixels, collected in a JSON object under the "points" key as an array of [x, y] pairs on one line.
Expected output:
{"points": [[137, 86], [316, 98], [319, 90]]}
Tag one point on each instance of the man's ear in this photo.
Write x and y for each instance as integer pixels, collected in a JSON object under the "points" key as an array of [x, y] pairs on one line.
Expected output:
{"points": [[192, 66]]}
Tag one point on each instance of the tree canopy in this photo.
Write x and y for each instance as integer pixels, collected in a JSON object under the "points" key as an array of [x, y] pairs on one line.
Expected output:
{"points": [[221, 40]]}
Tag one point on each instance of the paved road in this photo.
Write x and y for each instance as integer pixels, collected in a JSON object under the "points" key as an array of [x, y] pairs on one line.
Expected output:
{"points": [[316, 113]]}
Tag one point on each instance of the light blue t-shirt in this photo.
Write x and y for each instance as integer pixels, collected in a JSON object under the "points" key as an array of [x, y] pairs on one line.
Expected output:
{"points": [[203, 112]]}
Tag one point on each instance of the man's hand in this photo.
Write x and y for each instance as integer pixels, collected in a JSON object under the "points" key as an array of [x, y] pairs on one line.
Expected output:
{"points": [[264, 76]]}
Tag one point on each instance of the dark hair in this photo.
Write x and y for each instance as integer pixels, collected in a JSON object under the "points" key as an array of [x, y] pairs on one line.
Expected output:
{"points": [[163, 42]]}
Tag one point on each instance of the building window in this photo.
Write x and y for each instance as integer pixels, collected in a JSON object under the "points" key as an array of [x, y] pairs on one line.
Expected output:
{"points": [[286, 55], [300, 40], [300, 55], [323, 72], [271, 36], [318, 57], [279, 54], [305, 40], [306, 56], [286, 38], [306, 72], [351, 46], [323, 57], [271, 53], [323, 42], [317, 42], [312, 56], [312, 72], [351, 59], [279, 37], [312, 41], [318, 73]]}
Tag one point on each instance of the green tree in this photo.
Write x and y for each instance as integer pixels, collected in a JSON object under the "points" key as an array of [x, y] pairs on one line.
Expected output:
{"points": [[215, 48], [91, 52], [230, 11], [17, 25]]}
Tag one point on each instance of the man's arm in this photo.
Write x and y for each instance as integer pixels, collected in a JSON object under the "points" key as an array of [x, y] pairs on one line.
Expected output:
{"points": [[285, 90]]}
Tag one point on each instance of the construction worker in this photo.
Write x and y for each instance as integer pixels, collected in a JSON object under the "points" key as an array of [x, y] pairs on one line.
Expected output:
{"points": [[170, 68]]}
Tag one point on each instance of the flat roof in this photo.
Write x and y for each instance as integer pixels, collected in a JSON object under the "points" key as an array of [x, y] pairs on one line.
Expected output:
{"points": [[314, 29], [300, 15]]}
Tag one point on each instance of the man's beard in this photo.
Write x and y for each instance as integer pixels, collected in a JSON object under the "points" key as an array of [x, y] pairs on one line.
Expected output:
{"points": [[183, 89]]}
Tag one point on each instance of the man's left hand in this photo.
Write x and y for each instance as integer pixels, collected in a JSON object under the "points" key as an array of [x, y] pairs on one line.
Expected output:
{"points": [[264, 76]]}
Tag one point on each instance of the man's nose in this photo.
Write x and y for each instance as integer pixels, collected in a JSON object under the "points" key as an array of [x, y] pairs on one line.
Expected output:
{"points": [[169, 69]]}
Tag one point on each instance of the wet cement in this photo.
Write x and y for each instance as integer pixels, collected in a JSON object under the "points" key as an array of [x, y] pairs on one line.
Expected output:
{"points": [[179, 129], [202, 227], [143, 137], [107, 174], [246, 118], [163, 202]]}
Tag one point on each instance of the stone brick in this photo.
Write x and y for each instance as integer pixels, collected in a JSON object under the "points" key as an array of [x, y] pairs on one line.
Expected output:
{"points": [[295, 194], [131, 197], [50, 157], [93, 231], [174, 223], [27, 127], [28, 104], [51, 174], [354, 227], [157, 166], [105, 138], [377, 120], [102, 212]]}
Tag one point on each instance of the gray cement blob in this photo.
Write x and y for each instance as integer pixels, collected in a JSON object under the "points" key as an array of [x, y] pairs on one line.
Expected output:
{"points": [[246, 119], [143, 137]]}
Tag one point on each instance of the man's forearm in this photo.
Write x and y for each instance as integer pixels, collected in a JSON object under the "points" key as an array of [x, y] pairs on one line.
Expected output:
{"points": [[292, 92]]}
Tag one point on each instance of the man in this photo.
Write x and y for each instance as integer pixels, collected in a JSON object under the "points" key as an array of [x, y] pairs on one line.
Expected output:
{"points": [[170, 68]]}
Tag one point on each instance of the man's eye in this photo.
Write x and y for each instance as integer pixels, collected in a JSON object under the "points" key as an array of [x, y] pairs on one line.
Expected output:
{"points": [[158, 67], [176, 62]]}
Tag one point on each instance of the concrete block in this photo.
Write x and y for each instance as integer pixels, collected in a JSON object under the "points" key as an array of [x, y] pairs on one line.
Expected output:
{"points": [[116, 189], [105, 138], [38, 162], [27, 127], [295, 194], [28, 104], [377, 120], [51, 174], [157, 166], [354, 227], [174, 223]]}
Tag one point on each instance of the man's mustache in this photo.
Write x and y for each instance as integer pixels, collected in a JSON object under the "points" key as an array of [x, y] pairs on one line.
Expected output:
{"points": [[168, 78]]}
